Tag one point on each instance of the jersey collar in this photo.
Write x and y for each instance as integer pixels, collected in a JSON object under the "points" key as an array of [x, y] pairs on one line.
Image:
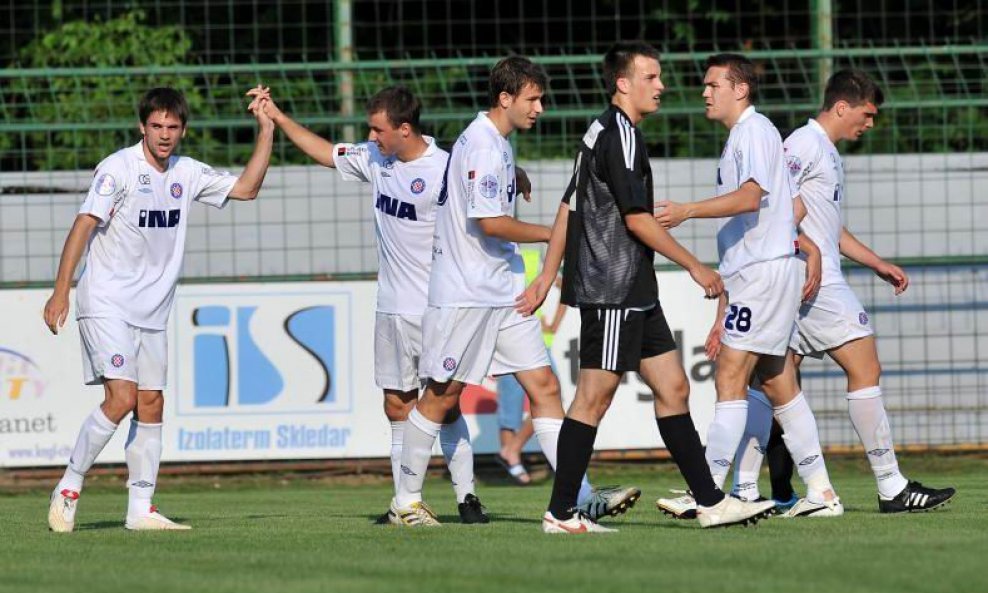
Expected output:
{"points": [[748, 112], [431, 147], [816, 127]]}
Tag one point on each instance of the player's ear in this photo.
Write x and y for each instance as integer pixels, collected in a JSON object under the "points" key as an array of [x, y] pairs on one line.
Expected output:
{"points": [[741, 90], [184, 128], [623, 85], [406, 130], [840, 107], [504, 99], [140, 126]]}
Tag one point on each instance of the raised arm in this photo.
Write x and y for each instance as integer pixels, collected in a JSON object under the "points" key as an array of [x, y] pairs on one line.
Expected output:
{"points": [[249, 182], [316, 147], [57, 307]]}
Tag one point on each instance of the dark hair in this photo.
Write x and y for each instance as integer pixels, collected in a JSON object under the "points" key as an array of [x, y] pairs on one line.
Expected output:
{"points": [[739, 70], [163, 99], [853, 86], [511, 74], [620, 59], [399, 104]]}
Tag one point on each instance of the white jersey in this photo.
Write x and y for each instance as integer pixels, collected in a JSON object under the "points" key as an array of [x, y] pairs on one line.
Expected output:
{"points": [[135, 255], [469, 268], [754, 153], [818, 174], [404, 218]]}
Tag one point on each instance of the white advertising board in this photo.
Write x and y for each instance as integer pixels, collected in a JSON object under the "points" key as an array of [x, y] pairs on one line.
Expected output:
{"points": [[285, 371]]}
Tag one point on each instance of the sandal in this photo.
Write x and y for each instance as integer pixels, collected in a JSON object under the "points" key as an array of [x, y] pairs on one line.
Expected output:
{"points": [[517, 471]]}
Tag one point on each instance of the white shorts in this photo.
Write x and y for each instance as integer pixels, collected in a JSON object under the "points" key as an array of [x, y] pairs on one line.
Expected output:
{"points": [[397, 349], [468, 343], [761, 312], [114, 349], [833, 318]]}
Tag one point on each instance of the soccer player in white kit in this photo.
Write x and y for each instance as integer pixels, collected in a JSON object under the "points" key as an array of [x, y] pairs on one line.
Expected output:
{"points": [[834, 321], [134, 223], [405, 170], [756, 240], [470, 328]]}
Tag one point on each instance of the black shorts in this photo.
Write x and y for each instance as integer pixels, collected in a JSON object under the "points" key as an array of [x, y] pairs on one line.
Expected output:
{"points": [[618, 339]]}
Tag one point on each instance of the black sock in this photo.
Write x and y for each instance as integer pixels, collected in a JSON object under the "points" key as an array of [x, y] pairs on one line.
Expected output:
{"points": [[683, 443], [779, 465], [573, 456]]}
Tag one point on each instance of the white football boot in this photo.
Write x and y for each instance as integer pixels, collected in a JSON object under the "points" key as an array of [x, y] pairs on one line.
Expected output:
{"points": [[61, 511]]}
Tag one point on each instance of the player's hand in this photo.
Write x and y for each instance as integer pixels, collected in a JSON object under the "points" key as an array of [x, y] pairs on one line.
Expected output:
{"points": [[712, 345], [56, 310], [529, 301], [894, 275], [670, 214], [523, 184], [814, 276], [261, 100], [708, 280]]}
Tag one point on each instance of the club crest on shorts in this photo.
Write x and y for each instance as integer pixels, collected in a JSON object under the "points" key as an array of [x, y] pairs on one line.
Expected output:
{"points": [[176, 190], [418, 185], [488, 186], [449, 364], [863, 318], [117, 360]]}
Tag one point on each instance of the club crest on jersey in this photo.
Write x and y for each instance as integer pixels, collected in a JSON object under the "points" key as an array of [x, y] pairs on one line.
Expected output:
{"points": [[418, 185], [863, 318], [176, 190], [794, 165], [488, 186], [106, 185], [117, 360]]}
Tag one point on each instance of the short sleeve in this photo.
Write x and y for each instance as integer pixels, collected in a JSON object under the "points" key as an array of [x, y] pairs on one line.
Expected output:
{"points": [[108, 188], [619, 152], [801, 160], [752, 155], [489, 193], [353, 161], [214, 185]]}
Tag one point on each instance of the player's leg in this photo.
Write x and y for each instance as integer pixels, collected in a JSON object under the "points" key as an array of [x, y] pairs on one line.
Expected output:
{"points": [[754, 443], [734, 367], [859, 359], [398, 405], [143, 447], [778, 378], [780, 465], [511, 423], [108, 348]]}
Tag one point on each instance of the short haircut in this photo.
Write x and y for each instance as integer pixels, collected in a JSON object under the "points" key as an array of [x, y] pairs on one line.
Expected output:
{"points": [[620, 60], [511, 74], [399, 104], [853, 86], [739, 70], [163, 99]]}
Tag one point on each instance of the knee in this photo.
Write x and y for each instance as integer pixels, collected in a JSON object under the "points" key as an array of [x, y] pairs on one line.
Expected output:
{"points": [[546, 386]]}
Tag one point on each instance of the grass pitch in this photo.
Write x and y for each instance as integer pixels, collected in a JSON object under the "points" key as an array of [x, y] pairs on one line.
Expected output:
{"points": [[295, 534]]}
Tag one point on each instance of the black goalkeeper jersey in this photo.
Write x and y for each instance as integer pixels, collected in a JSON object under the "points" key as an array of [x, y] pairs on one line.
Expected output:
{"points": [[605, 265]]}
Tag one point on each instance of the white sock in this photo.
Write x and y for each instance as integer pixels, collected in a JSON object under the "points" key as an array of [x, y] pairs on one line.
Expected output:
{"points": [[454, 439], [724, 436], [397, 434], [547, 432], [754, 442], [416, 450], [867, 411], [803, 441], [143, 454], [95, 433]]}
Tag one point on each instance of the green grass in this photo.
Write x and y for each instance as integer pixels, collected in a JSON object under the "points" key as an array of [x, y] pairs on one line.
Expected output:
{"points": [[295, 534]]}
